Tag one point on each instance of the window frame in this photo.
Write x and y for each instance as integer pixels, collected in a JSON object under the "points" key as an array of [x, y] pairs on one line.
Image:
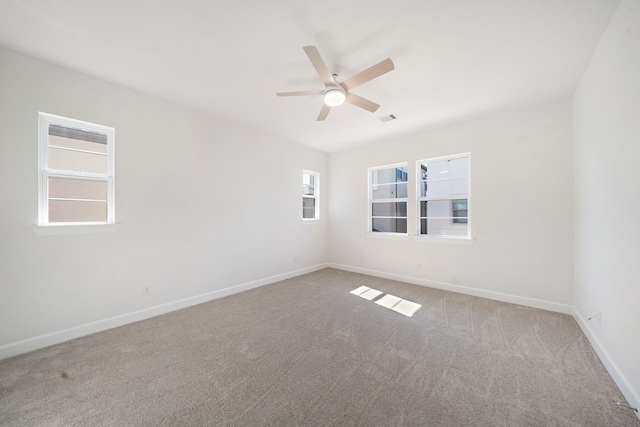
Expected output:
{"points": [[315, 196], [44, 172], [371, 201], [450, 198]]}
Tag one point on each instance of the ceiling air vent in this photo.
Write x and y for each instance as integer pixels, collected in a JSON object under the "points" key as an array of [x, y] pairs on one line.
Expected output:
{"points": [[388, 118]]}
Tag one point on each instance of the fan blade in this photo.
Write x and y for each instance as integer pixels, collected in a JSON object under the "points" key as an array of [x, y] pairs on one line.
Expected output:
{"points": [[301, 93], [324, 112], [369, 74], [319, 65], [359, 101]]}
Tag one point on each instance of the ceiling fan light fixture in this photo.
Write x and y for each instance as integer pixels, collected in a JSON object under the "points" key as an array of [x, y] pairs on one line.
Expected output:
{"points": [[335, 93], [334, 96]]}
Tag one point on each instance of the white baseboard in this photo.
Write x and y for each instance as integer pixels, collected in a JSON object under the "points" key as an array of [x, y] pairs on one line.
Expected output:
{"points": [[632, 395], [41, 341], [498, 296]]}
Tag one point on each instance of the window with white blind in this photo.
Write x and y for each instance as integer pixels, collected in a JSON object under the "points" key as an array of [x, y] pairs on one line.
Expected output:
{"points": [[310, 195], [388, 199], [443, 196], [76, 172]]}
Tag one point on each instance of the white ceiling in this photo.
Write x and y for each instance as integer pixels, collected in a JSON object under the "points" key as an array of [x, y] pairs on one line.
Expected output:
{"points": [[453, 58]]}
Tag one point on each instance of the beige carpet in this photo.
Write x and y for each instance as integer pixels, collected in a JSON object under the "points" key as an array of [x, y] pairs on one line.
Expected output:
{"points": [[306, 352]]}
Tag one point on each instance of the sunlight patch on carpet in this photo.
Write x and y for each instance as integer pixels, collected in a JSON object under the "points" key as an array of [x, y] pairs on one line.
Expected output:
{"points": [[399, 305], [408, 308], [389, 301], [366, 293]]}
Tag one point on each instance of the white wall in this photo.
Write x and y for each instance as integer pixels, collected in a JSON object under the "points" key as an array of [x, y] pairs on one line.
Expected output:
{"points": [[521, 208], [204, 205], [607, 201]]}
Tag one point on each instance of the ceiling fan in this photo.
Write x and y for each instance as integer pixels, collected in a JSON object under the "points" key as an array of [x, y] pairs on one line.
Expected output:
{"points": [[336, 93]]}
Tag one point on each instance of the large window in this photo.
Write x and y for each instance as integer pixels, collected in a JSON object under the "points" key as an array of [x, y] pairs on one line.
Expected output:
{"points": [[310, 195], [443, 196], [76, 165], [388, 199]]}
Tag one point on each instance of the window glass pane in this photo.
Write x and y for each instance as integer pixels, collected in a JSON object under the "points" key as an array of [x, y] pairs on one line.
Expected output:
{"points": [[307, 179], [308, 207], [444, 178], [459, 204], [308, 184], [61, 159], [77, 144], [389, 191], [77, 211], [389, 225], [445, 187], [452, 168], [442, 227], [77, 188], [389, 209], [437, 217], [436, 208], [386, 176], [461, 219], [460, 212]]}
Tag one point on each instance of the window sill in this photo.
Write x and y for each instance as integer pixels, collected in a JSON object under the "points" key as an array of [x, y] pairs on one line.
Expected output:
{"points": [[311, 221], [392, 236], [63, 229], [448, 240]]}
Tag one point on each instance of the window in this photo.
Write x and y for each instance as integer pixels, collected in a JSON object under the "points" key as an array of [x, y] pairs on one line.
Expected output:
{"points": [[443, 196], [76, 165], [310, 195], [388, 199]]}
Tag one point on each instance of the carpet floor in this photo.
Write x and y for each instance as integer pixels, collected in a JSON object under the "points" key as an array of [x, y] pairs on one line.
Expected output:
{"points": [[307, 352]]}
